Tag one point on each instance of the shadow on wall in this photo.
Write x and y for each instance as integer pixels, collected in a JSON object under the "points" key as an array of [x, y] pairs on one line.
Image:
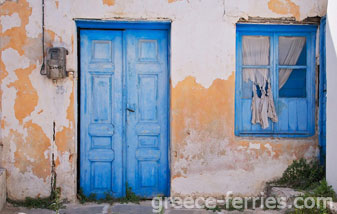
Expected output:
{"points": [[1, 149], [1, 145]]}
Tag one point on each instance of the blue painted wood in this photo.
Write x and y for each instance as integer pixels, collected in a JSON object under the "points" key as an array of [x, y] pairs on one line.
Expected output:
{"points": [[322, 92], [108, 24], [283, 115], [295, 104], [302, 114], [292, 113], [124, 98], [147, 127], [295, 85], [257, 29], [101, 112], [246, 115]]}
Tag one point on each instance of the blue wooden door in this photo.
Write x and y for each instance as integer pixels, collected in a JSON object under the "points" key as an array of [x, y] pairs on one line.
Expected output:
{"points": [[147, 112], [124, 112], [101, 112]]}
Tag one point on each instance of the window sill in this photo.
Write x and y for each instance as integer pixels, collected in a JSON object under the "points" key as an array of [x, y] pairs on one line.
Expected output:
{"points": [[275, 135]]}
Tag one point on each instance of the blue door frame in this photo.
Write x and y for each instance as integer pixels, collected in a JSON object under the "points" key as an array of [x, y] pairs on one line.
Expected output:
{"points": [[96, 164], [322, 92]]}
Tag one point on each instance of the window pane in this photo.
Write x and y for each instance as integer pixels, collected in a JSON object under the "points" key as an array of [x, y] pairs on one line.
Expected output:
{"points": [[292, 50], [292, 82], [250, 76], [255, 50]]}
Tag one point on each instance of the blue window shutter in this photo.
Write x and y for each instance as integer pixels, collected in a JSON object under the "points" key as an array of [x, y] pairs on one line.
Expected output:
{"points": [[296, 107]]}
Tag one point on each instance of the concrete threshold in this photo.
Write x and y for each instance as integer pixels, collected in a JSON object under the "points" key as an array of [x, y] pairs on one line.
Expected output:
{"points": [[143, 208]]}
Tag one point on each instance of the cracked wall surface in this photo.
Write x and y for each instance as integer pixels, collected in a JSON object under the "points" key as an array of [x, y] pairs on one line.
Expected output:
{"points": [[205, 154]]}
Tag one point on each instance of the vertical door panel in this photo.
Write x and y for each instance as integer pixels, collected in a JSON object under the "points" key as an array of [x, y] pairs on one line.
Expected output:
{"points": [[101, 112], [147, 115]]}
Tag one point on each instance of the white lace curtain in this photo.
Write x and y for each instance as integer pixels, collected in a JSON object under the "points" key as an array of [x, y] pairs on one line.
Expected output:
{"points": [[290, 49], [256, 52]]}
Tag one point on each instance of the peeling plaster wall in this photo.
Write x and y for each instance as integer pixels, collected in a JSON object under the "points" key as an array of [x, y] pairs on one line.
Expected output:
{"points": [[206, 157]]}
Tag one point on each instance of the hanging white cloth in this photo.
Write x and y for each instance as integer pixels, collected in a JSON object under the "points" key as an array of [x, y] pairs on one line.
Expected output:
{"points": [[290, 49], [256, 52], [263, 107]]}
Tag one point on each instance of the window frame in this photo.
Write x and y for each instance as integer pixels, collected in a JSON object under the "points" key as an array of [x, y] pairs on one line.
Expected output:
{"points": [[274, 31]]}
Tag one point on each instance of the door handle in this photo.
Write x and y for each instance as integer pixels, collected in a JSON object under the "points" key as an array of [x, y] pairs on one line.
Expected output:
{"points": [[130, 109]]}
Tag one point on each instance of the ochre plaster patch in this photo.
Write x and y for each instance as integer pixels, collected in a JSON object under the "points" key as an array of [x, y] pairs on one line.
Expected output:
{"points": [[109, 2], [171, 1], [210, 108], [30, 151], [70, 109], [284, 7], [31, 143], [26, 95], [52, 36], [17, 34], [203, 137], [64, 139]]}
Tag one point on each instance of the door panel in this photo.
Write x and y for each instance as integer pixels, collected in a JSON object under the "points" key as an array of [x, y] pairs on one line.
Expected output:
{"points": [[147, 115], [124, 127], [101, 112]]}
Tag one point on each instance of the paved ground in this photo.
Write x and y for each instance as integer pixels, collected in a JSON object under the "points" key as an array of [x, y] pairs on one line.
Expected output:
{"points": [[143, 208]]}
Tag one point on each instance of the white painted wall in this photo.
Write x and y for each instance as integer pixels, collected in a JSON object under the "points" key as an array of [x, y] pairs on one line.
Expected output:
{"points": [[331, 69], [206, 160]]}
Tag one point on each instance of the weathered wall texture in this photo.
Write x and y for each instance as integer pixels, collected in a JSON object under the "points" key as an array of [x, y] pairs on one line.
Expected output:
{"points": [[2, 188], [331, 65], [206, 157]]}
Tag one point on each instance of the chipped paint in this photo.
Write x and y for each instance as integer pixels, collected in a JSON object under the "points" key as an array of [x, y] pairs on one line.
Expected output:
{"points": [[30, 151], [17, 34], [205, 153], [171, 1], [11, 21], [26, 95], [64, 139], [206, 148]]}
